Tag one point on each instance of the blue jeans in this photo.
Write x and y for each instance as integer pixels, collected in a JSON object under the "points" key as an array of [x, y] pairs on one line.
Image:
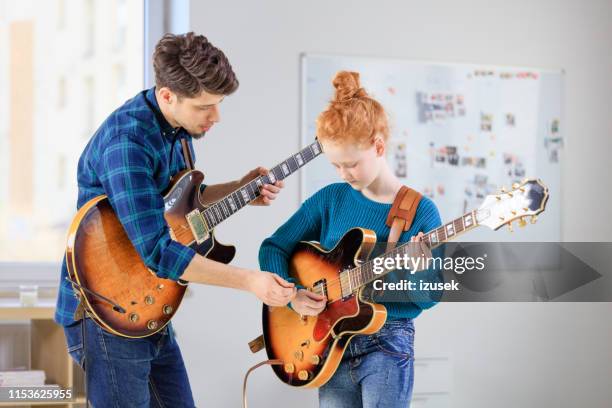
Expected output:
{"points": [[130, 373], [376, 371]]}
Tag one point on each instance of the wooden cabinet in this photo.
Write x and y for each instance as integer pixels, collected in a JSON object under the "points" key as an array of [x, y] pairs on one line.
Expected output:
{"points": [[47, 351]]}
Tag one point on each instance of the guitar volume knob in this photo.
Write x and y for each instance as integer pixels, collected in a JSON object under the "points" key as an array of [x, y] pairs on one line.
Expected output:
{"points": [[149, 300], [304, 375], [289, 368], [167, 309], [133, 317], [151, 325], [315, 359]]}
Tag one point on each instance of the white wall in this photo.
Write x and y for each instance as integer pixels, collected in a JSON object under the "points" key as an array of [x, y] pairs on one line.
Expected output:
{"points": [[504, 355]]}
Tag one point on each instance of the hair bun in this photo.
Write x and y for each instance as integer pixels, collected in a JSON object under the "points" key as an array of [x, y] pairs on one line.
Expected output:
{"points": [[347, 86]]}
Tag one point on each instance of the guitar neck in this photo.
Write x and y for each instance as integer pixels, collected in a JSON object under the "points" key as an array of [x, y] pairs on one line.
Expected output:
{"points": [[239, 198], [364, 274]]}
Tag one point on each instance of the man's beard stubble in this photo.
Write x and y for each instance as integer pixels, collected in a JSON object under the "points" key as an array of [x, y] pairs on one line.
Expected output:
{"points": [[198, 136]]}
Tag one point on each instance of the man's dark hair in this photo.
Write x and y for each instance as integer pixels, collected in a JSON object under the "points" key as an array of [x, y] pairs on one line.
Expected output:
{"points": [[188, 64]]}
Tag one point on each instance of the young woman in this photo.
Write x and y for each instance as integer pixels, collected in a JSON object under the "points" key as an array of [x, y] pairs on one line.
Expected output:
{"points": [[377, 370]]}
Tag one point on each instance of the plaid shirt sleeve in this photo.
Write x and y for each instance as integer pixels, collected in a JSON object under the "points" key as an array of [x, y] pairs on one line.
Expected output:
{"points": [[126, 171]]}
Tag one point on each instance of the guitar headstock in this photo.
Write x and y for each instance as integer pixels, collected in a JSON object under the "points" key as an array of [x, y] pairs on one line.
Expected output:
{"points": [[525, 200]]}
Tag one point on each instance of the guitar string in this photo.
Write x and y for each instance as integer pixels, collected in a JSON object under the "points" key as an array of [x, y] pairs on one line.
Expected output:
{"points": [[333, 283], [426, 236]]}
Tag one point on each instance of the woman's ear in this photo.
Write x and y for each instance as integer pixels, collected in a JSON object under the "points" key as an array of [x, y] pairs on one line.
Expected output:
{"points": [[380, 145]]}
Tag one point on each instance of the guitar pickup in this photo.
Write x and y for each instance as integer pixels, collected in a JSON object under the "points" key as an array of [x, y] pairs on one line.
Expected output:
{"points": [[320, 287], [197, 225]]}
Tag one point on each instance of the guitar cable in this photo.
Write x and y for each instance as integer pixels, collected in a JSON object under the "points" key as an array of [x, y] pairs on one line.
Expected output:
{"points": [[246, 376], [83, 330]]}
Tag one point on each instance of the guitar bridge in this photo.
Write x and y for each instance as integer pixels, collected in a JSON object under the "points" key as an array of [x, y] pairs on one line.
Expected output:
{"points": [[197, 225]]}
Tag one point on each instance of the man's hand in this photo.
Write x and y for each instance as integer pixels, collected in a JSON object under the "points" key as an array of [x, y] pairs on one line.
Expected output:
{"points": [[268, 191], [271, 288], [308, 303]]}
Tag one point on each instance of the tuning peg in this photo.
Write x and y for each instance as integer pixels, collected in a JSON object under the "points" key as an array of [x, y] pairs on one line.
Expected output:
{"points": [[501, 218], [534, 218], [515, 186], [498, 198], [503, 189], [525, 209], [513, 212], [522, 189], [522, 222], [510, 194], [510, 227]]}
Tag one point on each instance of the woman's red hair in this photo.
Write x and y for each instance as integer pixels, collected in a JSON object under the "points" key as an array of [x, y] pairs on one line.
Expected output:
{"points": [[352, 115]]}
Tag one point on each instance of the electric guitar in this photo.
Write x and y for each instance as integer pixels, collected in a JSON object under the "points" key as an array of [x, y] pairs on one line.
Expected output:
{"points": [[124, 296], [311, 347]]}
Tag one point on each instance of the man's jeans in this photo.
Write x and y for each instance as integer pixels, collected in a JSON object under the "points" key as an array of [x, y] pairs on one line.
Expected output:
{"points": [[130, 373], [376, 370]]}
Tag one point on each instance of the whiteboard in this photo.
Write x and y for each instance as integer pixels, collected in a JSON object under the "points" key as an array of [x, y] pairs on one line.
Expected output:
{"points": [[458, 131]]}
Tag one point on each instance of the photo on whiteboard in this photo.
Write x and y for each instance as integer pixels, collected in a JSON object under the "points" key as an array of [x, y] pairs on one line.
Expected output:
{"points": [[514, 167], [439, 107], [476, 190], [445, 155], [478, 162], [397, 158], [486, 122], [553, 142], [510, 120]]}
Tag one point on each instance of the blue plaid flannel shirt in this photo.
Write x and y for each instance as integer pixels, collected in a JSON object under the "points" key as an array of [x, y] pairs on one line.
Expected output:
{"points": [[130, 158]]}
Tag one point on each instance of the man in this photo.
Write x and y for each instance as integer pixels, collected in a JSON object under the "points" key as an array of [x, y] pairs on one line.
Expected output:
{"points": [[130, 158]]}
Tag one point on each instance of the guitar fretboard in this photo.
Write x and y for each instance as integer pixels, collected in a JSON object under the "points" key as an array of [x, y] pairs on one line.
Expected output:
{"points": [[230, 204], [353, 279]]}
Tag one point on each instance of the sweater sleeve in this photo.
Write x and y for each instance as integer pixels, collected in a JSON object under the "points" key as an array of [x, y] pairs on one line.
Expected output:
{"points": [[275, 251]]}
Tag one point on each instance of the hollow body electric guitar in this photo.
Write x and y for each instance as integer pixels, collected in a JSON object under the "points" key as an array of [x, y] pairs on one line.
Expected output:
{"points": [[311, 347], [120, 292]]}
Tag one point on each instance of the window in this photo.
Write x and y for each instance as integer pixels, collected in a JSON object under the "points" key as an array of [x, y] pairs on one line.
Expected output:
{"points": [[64, 66]]}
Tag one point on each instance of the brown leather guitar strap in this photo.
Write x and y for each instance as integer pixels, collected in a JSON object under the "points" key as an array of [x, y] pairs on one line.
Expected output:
{"points": [[402, 212], [187, 155]]}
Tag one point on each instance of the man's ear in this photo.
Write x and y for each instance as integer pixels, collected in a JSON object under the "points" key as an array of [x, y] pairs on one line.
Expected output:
{"points": [[380, 145], [167, 95]]}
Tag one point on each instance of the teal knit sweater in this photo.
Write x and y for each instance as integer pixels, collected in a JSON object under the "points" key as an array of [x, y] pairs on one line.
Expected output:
{"points": [[328, 215]]}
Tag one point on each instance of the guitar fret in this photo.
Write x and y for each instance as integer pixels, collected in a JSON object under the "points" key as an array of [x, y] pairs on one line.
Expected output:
{"points": [[285, 169], [239, 199], [458, 227], [293, 165], [252, 191], [226, 212], [207, 219], [441, 234], [232, 203], [218, 212], [307, 153], [228, 205], [315, 148], [277, 173], [212, 216], [245, 195], [299, 159], [449, 230], [468, 220]]}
